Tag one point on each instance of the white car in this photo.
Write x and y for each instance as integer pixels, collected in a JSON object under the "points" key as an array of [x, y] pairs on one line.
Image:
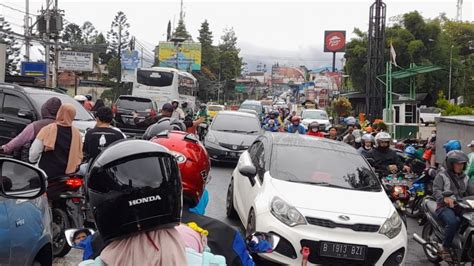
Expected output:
{"points": [[428, 115], [319, 194], [315, 115]]}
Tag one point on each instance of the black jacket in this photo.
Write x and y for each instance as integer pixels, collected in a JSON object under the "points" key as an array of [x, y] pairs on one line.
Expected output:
{"points": [[384, 158]]}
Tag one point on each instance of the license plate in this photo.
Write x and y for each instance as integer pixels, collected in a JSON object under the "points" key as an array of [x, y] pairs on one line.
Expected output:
{"points": [[343, 251]]}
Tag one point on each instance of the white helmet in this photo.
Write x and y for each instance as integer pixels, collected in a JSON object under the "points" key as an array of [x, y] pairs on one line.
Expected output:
{"points": [[383, 136], [368, 137], [80, 98]]}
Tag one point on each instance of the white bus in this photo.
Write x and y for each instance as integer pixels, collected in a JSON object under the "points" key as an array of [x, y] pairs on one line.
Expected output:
{"points": [[163, 85]]}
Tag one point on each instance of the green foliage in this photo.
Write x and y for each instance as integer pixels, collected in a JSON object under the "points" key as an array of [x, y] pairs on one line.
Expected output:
{"points": [[118, 35], [114, 68], [89, 33], [13, 47], [72, 34], [342, 106], [450, 109], [229, 61], [181, 31]]}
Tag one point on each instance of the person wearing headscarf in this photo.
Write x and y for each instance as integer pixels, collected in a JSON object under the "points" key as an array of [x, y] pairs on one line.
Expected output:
{"points": [[58, 146], [25, 138]]}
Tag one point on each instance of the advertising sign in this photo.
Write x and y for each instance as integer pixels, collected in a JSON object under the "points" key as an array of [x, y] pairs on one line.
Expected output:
{"points": [[334, 41], [189, 55], [75, 61], [33, 69], [130, 59]]}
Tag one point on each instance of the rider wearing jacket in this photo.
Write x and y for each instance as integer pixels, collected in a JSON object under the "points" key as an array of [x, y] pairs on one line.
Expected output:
{"points": [[165, 123], [367, 144], [296, 126], [384, 158], [313, 130], [452, 180]]}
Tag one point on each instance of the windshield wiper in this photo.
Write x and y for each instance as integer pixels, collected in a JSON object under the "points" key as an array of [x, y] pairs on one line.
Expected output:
{"points": [[326, 184], [252, 132]]}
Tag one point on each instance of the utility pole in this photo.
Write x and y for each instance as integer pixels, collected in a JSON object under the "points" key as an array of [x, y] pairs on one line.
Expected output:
{"points": [[27, 30], [120, 51], [450, 71], [56, 48], [47, 45]]}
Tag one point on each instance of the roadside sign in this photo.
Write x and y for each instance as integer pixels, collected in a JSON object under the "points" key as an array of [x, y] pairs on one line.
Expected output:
{"points": [[75, 61], [334, 41], [33, 69], [240, 88]]}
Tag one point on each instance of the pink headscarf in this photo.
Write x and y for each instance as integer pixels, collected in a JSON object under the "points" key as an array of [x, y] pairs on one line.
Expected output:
{"points": [[159, 247]]}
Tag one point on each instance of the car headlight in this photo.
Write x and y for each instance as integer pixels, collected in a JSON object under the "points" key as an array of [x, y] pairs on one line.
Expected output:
{"points": [[210, 138], [287, 214], [392, 226]]}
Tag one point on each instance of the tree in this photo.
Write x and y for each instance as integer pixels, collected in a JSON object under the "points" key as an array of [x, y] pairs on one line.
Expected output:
{"points": [[209, 52], [230, 64], [181, 31], [356, 56], [13, 47], [168, 31], [342, 106], [118, 35], [89, 33], [72, 34]]}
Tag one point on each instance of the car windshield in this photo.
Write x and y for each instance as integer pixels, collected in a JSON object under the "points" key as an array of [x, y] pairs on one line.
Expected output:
{"points": [[314, 115], [133, 103], [335, 169], [81, 113], [215, 108], [254, 107], [236, 123]]}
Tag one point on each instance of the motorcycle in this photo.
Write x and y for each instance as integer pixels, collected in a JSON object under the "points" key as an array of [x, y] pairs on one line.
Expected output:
{"points": [[65, 199], [202, 131], [433, 232], [421, 187], [396, 186]]}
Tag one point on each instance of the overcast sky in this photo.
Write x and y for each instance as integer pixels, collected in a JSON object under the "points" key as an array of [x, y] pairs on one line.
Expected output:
{"points": [[290, 32]]}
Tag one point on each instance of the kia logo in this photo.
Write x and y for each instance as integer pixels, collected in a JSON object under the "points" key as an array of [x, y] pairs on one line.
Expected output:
{"points": [[234, 147], [344, 217]]}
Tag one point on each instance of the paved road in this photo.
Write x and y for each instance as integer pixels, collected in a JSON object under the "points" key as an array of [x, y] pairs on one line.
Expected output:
{"points": [[218, 188]]}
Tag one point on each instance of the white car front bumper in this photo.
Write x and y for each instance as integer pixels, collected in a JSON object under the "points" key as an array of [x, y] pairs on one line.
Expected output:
{"points": [[379, 246]]}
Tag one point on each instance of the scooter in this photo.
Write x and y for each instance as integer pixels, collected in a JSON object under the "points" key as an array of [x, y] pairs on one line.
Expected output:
{"points": [[433, 232], [421, 187], [65, 198]]}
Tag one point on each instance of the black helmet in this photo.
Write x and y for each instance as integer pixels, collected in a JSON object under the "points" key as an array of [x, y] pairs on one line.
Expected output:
{"points": [[456, 156], [89, 97], [312, 125], [134, 186]]}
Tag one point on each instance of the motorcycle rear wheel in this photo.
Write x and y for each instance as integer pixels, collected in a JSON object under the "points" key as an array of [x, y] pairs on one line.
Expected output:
{"points": [[413, 208], [60, 245], [428, 235]]}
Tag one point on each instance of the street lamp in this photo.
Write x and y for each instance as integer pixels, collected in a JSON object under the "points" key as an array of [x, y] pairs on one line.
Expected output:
{"points": [[450, 71]]}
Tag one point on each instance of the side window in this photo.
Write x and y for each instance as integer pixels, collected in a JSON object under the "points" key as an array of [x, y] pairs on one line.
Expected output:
{"points": [[12, 104], [253, 153], [260, 165]]}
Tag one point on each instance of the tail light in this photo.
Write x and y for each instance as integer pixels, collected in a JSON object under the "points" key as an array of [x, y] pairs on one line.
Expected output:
{"points": [[74, 182], [399, 192], [114, 109], [153, 112]]}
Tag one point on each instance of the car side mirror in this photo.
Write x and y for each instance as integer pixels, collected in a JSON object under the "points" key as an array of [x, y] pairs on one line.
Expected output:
{"points": [[19, 180], [260, 242], [248, 170], [74, 233], [25, 114]]}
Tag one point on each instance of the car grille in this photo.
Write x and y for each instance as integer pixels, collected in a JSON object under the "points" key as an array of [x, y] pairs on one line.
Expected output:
{"points": [[372, 257], [233, 147], [356, 227]]}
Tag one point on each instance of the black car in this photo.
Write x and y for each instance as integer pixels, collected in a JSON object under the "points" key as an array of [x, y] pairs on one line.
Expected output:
{"points": [[20, 106], [230, 134], [123, 111]]}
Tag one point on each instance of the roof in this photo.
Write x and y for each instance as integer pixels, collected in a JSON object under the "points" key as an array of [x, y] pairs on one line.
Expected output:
{"points": [[411, 72], [289, 139], [252, 101], [459, 119]]}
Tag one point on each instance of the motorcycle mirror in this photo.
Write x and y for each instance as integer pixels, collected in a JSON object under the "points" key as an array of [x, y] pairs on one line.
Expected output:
{"points": [[260, 242], [75, 234]]}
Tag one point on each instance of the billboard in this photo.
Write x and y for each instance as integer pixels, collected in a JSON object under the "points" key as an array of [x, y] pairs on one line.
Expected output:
{"points": [[33, 69], [75, 61], [129, 59], [189, 55], [334, 41]]}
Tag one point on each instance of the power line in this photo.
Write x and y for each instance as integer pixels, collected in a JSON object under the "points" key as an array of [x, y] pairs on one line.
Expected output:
{"points": [[12, 8]]}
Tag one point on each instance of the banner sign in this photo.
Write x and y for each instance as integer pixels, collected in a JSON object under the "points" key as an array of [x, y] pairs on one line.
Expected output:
{"points": [[188, 58], [33, 69], [334, 41], [75, 61]]}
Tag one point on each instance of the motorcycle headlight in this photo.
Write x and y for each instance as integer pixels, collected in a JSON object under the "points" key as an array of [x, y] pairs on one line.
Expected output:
{"points": [[287, 214], [392, 226]]}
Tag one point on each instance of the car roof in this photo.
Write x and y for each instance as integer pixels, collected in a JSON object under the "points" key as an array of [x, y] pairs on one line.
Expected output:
{"points": [[252, 102], [235, 113], [290, 139]]}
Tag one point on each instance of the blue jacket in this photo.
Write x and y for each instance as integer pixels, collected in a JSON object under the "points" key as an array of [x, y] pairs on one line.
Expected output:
{"points": [[292, 129]]}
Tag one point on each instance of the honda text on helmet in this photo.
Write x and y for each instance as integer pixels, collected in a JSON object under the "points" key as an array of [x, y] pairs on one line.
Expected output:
{"points": [[193, 162], [134, 186]]}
